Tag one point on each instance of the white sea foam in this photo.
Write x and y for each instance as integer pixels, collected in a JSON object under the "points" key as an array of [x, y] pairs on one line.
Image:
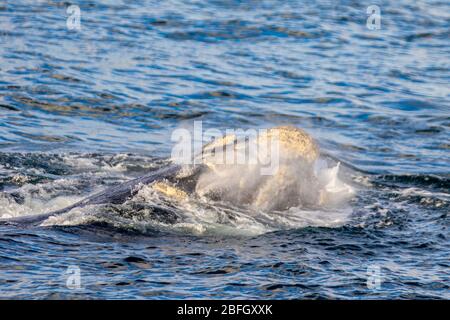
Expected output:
{"points": [[36, 199]]}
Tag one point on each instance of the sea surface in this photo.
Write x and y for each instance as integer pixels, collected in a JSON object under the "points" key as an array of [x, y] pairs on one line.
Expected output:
{"points": [[84, 109]]}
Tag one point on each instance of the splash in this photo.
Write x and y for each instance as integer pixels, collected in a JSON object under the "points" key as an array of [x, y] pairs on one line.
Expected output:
{"points": [[306, 189], [302, 179]]}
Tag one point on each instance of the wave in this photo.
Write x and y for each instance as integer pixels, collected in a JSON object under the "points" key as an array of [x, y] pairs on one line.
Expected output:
{"points": [[422, 180]]}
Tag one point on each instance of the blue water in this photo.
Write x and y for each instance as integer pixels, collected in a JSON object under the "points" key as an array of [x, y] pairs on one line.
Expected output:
{"points": [[84, 109]]}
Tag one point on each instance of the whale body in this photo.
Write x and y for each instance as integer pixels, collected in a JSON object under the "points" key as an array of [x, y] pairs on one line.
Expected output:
{"points": [[291, 184]]}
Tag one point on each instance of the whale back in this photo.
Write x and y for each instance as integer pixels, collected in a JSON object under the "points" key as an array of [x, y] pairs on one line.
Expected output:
{"points": [[115, 195]]}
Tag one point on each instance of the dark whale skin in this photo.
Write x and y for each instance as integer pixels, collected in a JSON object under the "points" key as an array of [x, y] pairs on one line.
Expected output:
{"points": [[115, 195]]}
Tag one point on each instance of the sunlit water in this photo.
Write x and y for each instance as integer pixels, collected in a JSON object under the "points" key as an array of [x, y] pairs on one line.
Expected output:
{"points": [[84, 110]]}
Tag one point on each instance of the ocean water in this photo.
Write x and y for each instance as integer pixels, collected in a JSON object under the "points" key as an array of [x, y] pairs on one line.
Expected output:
{"points": [[83, 110]]}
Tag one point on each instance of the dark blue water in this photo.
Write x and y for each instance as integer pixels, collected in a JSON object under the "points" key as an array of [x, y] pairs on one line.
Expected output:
{"points": [[81, 110]]}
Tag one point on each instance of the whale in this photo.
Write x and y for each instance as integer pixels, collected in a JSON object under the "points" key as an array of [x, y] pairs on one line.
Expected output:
{"points": [[217, 180]]}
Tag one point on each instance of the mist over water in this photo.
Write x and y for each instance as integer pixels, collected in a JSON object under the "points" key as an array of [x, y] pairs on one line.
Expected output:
{"points": [[81, 111]]}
